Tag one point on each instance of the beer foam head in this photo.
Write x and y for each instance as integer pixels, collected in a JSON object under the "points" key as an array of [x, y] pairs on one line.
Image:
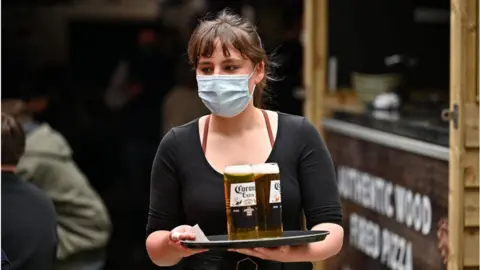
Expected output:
{"points": [[239, 169], [266, 168]]}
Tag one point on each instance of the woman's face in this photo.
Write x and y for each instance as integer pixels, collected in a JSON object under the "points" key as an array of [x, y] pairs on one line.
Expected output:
{"points": [[233, 64]]}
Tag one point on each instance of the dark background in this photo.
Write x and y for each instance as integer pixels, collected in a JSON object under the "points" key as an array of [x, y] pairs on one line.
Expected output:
{"points": [[361, 34]]}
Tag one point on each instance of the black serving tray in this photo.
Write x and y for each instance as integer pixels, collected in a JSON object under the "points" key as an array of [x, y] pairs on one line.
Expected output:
{"points": [[289, 238]]}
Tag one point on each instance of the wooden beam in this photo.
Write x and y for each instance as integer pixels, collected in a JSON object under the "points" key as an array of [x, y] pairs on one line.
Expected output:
{"points": [[321, 59], [315, 59], [471, 208], [463, 174], [470, 259], [308, 55], [470, 30], [455, 209], [315, 65], [470, 168]]}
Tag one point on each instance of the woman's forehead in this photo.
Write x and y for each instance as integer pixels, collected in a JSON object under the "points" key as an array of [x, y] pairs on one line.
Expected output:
{"points": [[222, 52]]}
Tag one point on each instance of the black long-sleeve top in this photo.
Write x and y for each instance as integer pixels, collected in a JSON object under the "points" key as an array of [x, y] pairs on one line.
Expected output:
{"points": [[185, 189]]}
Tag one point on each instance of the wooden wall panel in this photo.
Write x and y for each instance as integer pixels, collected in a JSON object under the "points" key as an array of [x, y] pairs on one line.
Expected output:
{"points": [[463, 180], [417, 173]]}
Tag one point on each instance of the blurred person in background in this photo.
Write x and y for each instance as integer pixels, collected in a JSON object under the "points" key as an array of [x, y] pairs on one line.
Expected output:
{"points": [[28, 217], [178, 14], [290, 57], [83, 222], [136, 91], [182, 103], [135, 95]]}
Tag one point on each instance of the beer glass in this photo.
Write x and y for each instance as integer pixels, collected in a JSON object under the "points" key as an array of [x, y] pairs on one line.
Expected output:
{"points": [[241, 202], [267, 179]]}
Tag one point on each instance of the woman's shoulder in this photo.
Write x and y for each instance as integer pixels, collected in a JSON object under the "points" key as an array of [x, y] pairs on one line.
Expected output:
{"points": [[294, 122], [179, 137], [184, 131], [297, 128]]}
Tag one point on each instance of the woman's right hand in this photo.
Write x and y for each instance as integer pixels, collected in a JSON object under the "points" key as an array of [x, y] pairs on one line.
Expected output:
{"points": [[183, 232]]}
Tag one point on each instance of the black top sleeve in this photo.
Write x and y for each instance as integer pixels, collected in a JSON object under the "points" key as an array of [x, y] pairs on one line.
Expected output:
{"points": [[320, 199], [166, 210]]}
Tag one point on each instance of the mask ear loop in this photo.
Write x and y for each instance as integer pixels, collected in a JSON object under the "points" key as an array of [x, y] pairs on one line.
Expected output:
{"points": [[250, 76]]}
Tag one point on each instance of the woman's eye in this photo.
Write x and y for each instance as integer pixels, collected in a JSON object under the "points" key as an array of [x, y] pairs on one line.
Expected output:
{"points": [[206, 70], [231, 68]]}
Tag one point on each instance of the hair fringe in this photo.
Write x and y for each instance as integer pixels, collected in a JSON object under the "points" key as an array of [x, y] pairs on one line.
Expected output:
{"points": [[237, 32]]}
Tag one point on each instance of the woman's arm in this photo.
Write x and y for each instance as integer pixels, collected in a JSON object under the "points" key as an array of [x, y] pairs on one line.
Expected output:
{"points": [[322, 250], [166, 211], [320, 199], [159, 250]]}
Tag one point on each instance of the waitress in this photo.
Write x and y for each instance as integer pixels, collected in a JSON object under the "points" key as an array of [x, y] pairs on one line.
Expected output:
{"points": [[187, 182]]}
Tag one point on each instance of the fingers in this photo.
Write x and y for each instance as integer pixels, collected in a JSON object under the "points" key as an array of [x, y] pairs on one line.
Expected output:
{"points": [[272, 253], [184, 250], [178, 247], [178, 236], [282, 249], [195, 251], [174, 236], [275, 253], [249, 252]]}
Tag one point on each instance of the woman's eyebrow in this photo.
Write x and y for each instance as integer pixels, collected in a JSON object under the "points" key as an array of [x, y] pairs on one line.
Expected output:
{"points": [[205, 62], [231, 61]]}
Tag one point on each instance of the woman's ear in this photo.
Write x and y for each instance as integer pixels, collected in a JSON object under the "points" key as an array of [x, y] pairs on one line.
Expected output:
{"points": [[260, 72]]}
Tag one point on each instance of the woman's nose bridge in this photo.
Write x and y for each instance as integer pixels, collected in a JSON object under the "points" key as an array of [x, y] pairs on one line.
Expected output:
{"points": [[217, 70]]}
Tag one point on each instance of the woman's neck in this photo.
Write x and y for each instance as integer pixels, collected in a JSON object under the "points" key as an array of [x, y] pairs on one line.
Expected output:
{"points": [[248, 119]]}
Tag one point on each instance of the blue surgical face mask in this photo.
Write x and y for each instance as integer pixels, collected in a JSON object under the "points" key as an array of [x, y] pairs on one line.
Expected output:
{"points": [[225, 95]]}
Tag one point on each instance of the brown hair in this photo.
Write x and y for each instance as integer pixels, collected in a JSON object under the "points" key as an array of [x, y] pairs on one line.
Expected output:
{"points": [[13, 140], [232, 31]]}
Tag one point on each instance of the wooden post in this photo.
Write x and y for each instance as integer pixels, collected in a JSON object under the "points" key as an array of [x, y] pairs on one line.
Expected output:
{"points": [[315, 59], [463, 173], [315, 65], [309, 44]]}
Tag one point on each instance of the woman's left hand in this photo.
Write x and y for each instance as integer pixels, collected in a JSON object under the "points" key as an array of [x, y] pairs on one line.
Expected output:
{"points": [[279, 254]]}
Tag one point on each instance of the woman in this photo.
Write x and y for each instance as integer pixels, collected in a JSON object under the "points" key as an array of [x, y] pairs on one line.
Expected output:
{"points": [[187, 181]]}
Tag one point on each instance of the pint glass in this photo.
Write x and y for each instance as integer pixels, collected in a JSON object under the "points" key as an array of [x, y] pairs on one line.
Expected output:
{"points": [[241, 202], [269, 199]]}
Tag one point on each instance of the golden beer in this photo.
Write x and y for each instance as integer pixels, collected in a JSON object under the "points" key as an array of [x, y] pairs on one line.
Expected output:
{"points": [[269, 200], [241, 202]]}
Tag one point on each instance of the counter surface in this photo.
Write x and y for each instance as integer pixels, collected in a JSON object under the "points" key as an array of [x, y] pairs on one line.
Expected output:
{"points": [[427, 127], [421, 136]]}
